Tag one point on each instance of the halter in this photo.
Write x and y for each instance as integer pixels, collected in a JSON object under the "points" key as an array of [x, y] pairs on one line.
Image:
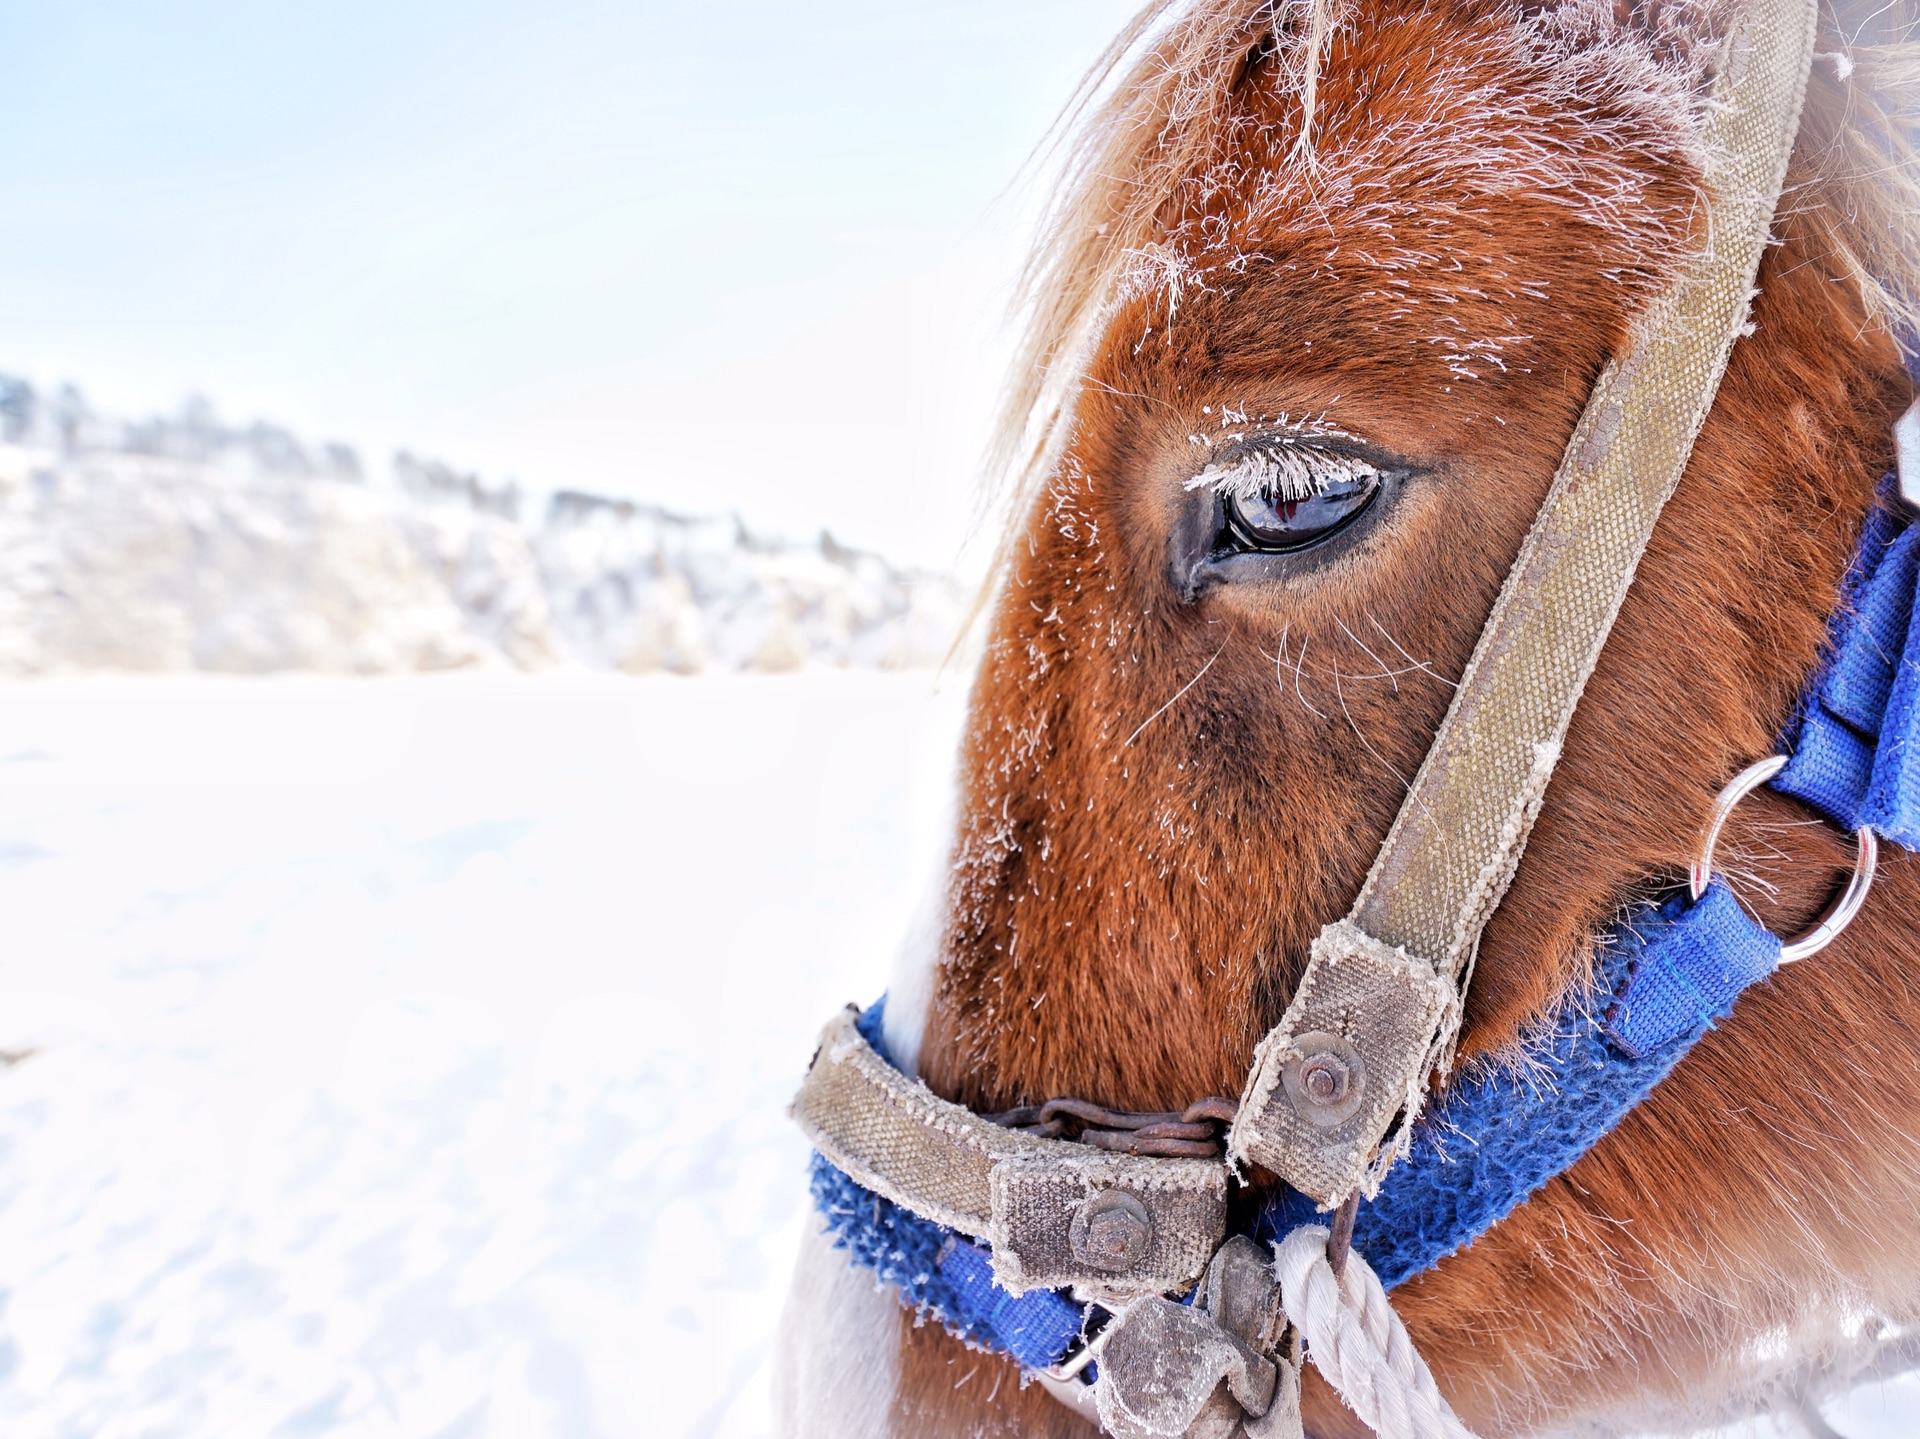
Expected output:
{"points": [[1064, 1255]]}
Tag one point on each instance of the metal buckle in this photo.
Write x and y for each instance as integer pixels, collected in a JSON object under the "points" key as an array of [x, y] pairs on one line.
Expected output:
{"points": [[1840, 913], [1076, 1394], [1067, 1381], [1074, 1365]]}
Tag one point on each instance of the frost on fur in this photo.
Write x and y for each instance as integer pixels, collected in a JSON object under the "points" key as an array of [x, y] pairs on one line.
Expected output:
{"points": [[1284, 472]]}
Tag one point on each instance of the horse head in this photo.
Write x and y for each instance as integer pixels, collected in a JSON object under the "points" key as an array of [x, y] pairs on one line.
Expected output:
{"points": [[1320, 303]]}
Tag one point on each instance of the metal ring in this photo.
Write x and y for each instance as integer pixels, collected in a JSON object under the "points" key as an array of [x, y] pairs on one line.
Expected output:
{"points": [[1072, 1365], [1840, 913]]}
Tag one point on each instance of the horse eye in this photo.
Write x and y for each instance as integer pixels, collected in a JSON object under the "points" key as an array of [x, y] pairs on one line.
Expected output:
{"points": [[1265, 523]]}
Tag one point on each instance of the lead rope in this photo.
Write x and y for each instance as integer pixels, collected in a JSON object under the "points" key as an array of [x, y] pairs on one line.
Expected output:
{"points": [[1358, 1343]]}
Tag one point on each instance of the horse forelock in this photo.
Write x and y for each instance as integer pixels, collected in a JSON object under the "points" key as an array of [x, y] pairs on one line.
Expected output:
{"points": [[1165, 794]]}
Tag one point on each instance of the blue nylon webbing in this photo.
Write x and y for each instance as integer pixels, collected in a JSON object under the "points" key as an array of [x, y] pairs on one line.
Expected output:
{"points": [[1855, 744], [1495, 1137], [1490, 1143], [1687, 973]]}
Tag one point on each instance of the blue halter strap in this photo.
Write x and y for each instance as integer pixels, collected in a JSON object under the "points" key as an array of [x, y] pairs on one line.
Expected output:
{"points": [[1668, 975]]}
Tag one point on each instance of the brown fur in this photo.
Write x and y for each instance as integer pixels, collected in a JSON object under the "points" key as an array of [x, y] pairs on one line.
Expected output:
{"points": [[948, 1392], [1163, 801]]}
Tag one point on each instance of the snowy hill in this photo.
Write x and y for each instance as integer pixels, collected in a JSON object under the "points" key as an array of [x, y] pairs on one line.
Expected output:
{"points": [[183, 544]]}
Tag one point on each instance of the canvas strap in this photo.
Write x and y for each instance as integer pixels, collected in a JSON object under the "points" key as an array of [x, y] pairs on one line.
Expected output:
{"points": [[1056, 1213], [1379, 1005]]}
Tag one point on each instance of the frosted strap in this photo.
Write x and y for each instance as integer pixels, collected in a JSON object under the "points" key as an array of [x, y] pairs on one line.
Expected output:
{"points": [[1040, 1203]]}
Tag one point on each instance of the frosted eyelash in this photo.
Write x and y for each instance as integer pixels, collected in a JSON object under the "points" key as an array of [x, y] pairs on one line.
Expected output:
{"points": [[1286, 472]]}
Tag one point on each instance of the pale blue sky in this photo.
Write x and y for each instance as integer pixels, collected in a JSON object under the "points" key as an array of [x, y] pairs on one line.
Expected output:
{"points": [[740, 255]]}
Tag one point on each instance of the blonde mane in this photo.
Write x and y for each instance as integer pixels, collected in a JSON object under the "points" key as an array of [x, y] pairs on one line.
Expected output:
{"points": [[1157, 106]]}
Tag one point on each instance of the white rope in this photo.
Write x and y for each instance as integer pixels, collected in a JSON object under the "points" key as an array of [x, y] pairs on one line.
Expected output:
{"points": [[1358, 1343]]}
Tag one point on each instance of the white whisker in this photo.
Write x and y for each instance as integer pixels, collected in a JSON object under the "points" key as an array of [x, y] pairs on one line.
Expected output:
{"points": [[1421, 665], [1182, 690], [1299, 668]]}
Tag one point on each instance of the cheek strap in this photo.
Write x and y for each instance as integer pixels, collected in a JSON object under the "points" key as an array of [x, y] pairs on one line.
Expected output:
{"points": [[1378, 1009]]}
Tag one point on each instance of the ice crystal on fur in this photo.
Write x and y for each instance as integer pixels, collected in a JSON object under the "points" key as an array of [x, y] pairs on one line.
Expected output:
{"points": [[1284, 472]]}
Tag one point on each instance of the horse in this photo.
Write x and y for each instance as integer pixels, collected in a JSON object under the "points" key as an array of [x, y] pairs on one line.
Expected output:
{"points": [[1409, 236]]}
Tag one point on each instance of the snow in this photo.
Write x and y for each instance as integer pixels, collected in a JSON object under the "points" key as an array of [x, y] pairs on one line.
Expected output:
{"points": [[409, 1056]]}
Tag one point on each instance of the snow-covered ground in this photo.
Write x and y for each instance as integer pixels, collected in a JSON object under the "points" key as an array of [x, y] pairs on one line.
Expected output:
{"points": [[408, 1057]]}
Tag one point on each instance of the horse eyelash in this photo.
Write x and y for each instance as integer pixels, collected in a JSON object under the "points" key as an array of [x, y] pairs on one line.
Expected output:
{"points": [[1286, 472]]}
